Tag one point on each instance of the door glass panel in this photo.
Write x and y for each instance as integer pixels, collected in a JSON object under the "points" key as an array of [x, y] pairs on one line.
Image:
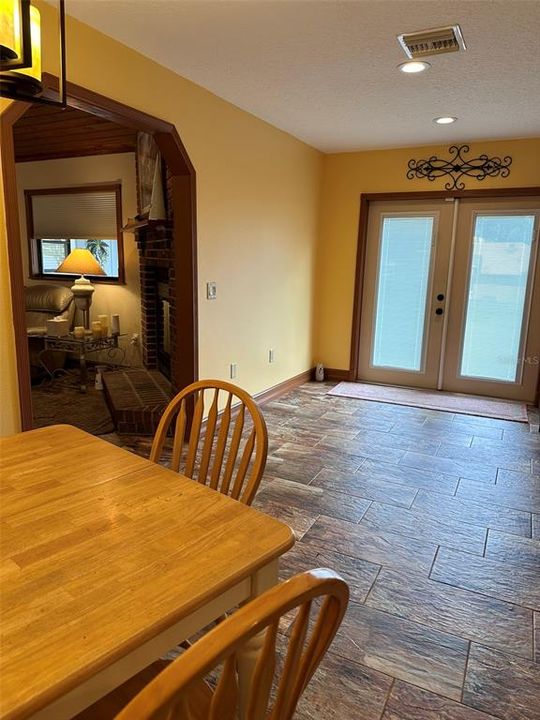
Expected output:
{"points": [[501, 255], [402, 286]]}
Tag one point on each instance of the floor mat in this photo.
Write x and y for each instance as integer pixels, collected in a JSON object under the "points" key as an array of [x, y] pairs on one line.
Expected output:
{"points": [[434, 400]]}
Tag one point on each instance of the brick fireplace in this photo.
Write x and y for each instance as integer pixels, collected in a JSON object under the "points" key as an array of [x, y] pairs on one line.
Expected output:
{"points": [[138, 396], [158, 311]]}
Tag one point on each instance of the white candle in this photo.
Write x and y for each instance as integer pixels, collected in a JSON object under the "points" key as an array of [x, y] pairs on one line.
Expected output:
{"points": [[78, 332], [104, 320], [115, 324], [96, 329]]}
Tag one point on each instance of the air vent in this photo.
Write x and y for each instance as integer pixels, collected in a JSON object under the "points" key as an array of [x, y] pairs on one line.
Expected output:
{"points": [[432, 42]]}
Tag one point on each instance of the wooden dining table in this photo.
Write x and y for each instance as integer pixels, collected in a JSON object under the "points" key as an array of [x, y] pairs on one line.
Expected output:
{"points": [[107, 562]]}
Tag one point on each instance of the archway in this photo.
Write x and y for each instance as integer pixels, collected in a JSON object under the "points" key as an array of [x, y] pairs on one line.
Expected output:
{"points": [[182, 197]]}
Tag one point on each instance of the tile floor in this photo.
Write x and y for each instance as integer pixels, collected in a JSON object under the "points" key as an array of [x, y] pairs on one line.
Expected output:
{"points": [[431, 519]]}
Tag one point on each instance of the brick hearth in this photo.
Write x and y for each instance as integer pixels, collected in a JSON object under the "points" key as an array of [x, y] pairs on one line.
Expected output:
{"points": [[136, 399]]}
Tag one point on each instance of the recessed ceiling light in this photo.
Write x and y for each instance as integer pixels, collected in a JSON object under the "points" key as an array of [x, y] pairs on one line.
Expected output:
{"points": [[444, 120], [415, 66]]}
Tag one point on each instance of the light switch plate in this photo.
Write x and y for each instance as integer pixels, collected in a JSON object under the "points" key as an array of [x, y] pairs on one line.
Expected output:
{"points": [[211, 291]]}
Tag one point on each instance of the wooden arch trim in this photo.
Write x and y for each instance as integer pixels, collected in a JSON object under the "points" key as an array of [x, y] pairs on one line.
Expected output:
{"points": [[184, 216]]}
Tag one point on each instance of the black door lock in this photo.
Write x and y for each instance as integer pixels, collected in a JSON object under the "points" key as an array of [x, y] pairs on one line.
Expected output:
{"points": [[439, 311], [440, 297]]}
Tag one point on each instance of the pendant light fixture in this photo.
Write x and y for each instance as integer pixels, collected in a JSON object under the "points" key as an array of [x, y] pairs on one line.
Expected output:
{"points": [[20, 53]]}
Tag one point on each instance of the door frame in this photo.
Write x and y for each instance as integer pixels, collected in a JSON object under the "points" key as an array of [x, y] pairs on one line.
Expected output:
{"points": [[365, 200], [184, 225]]}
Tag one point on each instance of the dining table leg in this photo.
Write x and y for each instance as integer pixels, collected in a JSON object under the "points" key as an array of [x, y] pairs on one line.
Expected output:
{"points": [[261, 581]]}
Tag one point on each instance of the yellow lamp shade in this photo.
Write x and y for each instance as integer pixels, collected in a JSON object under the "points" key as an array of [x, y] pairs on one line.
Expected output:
{"points": [[27, 77], [10, 29], [35, 39], [80, 262]]}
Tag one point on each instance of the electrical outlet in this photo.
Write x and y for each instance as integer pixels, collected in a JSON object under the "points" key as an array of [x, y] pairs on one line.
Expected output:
{"points": [[271, 356], [135, 339], [233, 370], [211, 290]]}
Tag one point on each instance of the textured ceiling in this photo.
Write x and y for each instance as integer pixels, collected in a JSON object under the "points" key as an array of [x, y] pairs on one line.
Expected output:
{"points": [[325, 71]]}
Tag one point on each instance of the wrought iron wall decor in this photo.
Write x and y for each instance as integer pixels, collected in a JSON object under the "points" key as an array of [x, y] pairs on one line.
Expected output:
{"points": [[458, 167]]}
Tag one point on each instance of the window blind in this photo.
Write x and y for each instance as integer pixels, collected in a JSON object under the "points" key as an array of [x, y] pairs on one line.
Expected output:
{"points": [[84, 215]]}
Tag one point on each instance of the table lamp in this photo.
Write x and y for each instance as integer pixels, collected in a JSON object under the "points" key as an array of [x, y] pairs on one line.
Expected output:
{"points": [[81, 261]]}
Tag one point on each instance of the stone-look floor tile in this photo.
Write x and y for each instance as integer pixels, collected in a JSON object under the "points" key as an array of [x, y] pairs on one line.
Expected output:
{"points": [[382, 441], [515, 439], [475, 513], [423, 526], [429, 658], [523, 552], [320, 427], [518, 497], [486, 422], [331, 419], [298, 472], [361, 449], [480, 473], [503, 685], [384, 548], [536, 526], [456, 424], [365, 487], [449, 434], [343, 690], [312, 500], [330, 457], [281, 434], [359, 574], [487, 620], [407, 702], [502, 580], [297, 520], [536, 633], [375, 470], [511, 479], [504, 457]]}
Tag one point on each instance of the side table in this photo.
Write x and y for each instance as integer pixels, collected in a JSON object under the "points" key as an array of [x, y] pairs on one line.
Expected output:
{"points": [[82, 347]]}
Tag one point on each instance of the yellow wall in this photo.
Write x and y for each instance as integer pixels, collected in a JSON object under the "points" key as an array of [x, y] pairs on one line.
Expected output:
{"points": [[80, 171], [9, 399], [257, 207], [345, 177]]}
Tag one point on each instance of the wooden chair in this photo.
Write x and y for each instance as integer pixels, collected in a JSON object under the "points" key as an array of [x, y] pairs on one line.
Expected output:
{"points": [[181, 691], [227, 454]]}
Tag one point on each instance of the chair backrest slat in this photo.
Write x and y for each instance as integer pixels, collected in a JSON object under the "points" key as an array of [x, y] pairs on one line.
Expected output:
{"points": [[209, 438], [288, 690], [233, 451], [243, 466], [227, 451], [179, 432], [223, 646], [225, 699], [195, 434], [221, 443], [263, 675]]}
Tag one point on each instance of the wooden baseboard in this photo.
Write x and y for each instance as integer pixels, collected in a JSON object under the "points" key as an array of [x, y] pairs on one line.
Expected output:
{"points": [[284, 387], [336, 374]]}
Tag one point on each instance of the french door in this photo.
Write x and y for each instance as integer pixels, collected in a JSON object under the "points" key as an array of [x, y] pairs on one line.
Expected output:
{"points": [[451, 296]]}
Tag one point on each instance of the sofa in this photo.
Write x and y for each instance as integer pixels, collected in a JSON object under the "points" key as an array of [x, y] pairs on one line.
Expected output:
{"points": [[44, 302]]}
